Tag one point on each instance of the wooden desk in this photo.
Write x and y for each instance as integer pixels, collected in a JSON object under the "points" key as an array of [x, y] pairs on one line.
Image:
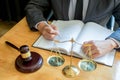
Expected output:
{"points": [[20, 34]]}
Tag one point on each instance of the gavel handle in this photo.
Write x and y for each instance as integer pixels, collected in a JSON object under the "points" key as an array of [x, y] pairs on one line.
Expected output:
{"points": [[12, 45]]}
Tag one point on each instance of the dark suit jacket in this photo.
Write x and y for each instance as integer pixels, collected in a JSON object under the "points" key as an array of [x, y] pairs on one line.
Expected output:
{"points": [[98, 11]]}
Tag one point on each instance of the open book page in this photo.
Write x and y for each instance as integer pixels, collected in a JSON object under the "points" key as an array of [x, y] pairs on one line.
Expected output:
{"points": [[67, 29], [93, 31]]}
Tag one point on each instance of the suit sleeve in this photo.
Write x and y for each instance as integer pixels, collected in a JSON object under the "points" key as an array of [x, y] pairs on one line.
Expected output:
{"points": [[116, 13], [36, 11]]}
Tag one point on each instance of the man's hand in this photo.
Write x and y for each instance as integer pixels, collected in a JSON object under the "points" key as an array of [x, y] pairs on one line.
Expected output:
{"points": [[48, 31], [99, 48]]}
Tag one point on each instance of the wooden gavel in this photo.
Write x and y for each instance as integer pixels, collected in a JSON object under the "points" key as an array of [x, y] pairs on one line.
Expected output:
{"points": [[27, 61]]}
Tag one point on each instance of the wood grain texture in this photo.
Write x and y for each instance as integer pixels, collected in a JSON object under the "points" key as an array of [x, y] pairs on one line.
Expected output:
{"points": [[20, 34]]}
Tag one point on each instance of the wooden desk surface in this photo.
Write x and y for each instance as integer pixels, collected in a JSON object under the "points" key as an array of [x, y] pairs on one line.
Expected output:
{"points": [[20, 34]]}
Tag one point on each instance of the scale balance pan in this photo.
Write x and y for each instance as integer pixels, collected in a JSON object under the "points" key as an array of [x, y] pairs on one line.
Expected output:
{"points": [[56, 60], [87, 65], [70, 71]]}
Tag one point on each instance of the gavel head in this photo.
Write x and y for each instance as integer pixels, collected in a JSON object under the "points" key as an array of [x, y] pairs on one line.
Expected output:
{"points": [[24, 48], [25, 53]]}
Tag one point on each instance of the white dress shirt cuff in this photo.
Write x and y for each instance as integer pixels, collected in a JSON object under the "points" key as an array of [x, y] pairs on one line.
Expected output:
{"points": [[117, 42], [36, 26]]}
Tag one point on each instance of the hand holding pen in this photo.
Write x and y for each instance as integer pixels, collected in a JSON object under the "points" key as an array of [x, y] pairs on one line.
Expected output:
{"points": [[48, 31]]}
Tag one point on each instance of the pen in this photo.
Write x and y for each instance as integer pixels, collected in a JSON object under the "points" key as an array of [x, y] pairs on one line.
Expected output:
{"points": [[49, 26]]}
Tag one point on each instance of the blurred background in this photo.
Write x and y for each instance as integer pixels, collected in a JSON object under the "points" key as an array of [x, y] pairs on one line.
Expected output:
{"points": [[11, 12]]}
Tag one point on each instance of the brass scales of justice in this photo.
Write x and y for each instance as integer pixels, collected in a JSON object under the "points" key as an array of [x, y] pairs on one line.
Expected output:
{"points": [[29, 63], [71, 70]]}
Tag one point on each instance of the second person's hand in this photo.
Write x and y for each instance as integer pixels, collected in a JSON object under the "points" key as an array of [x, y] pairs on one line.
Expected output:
{"points": [[99, 48]]}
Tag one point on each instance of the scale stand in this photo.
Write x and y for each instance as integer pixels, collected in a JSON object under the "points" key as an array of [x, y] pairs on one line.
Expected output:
{"points": [[71, 70]]}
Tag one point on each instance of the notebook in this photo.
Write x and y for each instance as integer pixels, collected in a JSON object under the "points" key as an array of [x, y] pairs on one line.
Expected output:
{"points": [[80, 32]]}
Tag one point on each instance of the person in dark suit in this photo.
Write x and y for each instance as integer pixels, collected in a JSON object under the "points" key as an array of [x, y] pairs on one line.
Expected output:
{"points": [[98, 11]]}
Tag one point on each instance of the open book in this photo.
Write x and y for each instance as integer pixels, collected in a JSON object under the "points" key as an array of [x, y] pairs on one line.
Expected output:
{"points": [[80, 32]]}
